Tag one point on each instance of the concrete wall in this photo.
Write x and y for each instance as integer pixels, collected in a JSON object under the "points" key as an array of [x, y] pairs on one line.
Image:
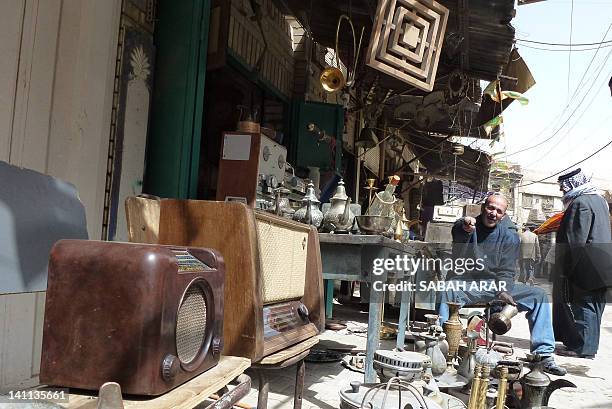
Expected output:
{"points": [[56, 87]]}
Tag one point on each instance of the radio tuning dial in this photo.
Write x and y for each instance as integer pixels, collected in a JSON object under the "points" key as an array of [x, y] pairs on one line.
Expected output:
{"points": [[281, 162], [303, 312], [216, 346], [170, 367]]}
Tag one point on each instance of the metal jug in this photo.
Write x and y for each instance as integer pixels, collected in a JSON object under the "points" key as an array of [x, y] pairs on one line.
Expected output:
{"points": [[339, 218], [309, 213], [501, 322], [536, 385], [468, 362]]}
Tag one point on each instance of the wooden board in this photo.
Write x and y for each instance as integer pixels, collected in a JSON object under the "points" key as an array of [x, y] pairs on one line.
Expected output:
{"points": [[290, 352], [142, 215], [186, 396]]}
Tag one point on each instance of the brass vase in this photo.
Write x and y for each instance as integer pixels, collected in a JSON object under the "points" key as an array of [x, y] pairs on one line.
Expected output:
{"points": [[453, 330]]}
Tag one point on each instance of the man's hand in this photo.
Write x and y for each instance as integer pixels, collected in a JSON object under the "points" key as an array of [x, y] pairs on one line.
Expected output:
{"points": [[507, 298], [469, 224]]}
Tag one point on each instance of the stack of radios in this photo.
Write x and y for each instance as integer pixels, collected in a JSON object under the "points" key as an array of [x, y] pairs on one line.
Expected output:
{"points": [[152, 316]]}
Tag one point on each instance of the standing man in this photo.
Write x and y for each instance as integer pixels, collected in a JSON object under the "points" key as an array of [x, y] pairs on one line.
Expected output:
{"points": [[491, 241], [582, 266], [530, 255]]}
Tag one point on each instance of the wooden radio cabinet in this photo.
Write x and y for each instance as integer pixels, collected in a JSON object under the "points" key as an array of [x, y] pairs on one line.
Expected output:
{"points": [[274, 285]]}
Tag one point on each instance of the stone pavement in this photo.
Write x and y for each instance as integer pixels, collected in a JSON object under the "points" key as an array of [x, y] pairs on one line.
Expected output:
{"points": [[323, 380]]}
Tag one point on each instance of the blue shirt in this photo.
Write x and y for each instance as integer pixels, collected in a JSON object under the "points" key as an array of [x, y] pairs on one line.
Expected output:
{"points": [[496, 250]]}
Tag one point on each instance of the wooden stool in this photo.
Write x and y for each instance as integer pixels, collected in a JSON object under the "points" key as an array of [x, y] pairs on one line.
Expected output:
{"points": [[284, 359]]}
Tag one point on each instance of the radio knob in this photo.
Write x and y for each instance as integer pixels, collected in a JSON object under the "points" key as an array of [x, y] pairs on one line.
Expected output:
{"points": [[170, 367], [216, 346], [303, 312]]}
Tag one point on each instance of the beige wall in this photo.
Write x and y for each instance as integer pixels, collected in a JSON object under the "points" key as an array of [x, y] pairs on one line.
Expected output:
{"points": [[56, 86]]}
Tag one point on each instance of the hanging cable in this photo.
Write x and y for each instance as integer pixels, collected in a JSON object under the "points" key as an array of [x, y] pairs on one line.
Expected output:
{"points": [[571, 166], [570, 115], [563, 45], [556, 145], [567, 105], [569, 56], [564, 49]]}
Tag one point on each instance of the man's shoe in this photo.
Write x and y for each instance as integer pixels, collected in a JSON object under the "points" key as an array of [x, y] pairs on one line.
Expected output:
{"points": [[549, 365]]}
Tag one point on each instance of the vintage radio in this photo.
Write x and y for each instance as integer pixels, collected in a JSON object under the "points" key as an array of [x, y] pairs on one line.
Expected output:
{"points": [[249, 164], [148, 317], [273, 289]]}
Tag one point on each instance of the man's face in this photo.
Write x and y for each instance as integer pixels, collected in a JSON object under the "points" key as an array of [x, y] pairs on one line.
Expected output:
{"points": [[493, 211]]}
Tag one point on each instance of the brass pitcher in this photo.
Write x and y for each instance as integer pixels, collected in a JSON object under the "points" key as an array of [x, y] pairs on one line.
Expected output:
{"points": [[453, 329]]}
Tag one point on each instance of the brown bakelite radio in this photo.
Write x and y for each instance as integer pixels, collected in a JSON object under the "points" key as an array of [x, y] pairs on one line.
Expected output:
{"points": [[273, 287], [148, 317]]}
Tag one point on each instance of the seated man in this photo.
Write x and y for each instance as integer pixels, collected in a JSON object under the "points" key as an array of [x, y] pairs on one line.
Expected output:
{"points": [[492, 242]]}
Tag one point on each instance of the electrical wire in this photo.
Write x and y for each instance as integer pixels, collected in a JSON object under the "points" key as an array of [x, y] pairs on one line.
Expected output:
{"points": [[571, 114], [569, 56], [563, 45], [556, 145], [566, 106], [571, 166], [564, 49]]}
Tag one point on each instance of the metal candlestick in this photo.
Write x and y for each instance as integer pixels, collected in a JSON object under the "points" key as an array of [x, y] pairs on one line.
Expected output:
{"points": [[370, 188]]}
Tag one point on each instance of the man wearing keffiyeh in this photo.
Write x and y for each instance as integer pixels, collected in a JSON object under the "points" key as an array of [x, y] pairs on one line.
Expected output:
{"points": [[583, 269]]}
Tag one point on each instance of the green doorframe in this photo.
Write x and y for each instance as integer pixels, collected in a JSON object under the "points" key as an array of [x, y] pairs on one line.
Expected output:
{"points": [[175, 127]]}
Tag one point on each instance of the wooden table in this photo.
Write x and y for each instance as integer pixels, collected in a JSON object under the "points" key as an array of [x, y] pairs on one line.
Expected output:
{"points": [[350, 257], [186, 396]]}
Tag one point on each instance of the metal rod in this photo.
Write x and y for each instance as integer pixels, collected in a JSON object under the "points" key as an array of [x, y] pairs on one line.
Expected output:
{"points": [[229, 399]]}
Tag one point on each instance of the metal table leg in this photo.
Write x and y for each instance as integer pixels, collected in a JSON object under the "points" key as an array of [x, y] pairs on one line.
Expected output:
{"points": [[374, 318], [403, 318], [329, 298]]}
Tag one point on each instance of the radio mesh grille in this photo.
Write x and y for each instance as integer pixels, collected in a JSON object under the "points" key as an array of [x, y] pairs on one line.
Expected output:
{"points": [[191, 324], [283, 261]]}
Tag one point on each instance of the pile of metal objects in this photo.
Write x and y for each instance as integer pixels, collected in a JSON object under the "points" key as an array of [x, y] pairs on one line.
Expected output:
{"points": [[454, 367], [339, 216]]}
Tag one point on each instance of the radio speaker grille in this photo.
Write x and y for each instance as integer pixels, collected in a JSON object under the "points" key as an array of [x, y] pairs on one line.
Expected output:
{"points": [[191, 324], [283, 261]]}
